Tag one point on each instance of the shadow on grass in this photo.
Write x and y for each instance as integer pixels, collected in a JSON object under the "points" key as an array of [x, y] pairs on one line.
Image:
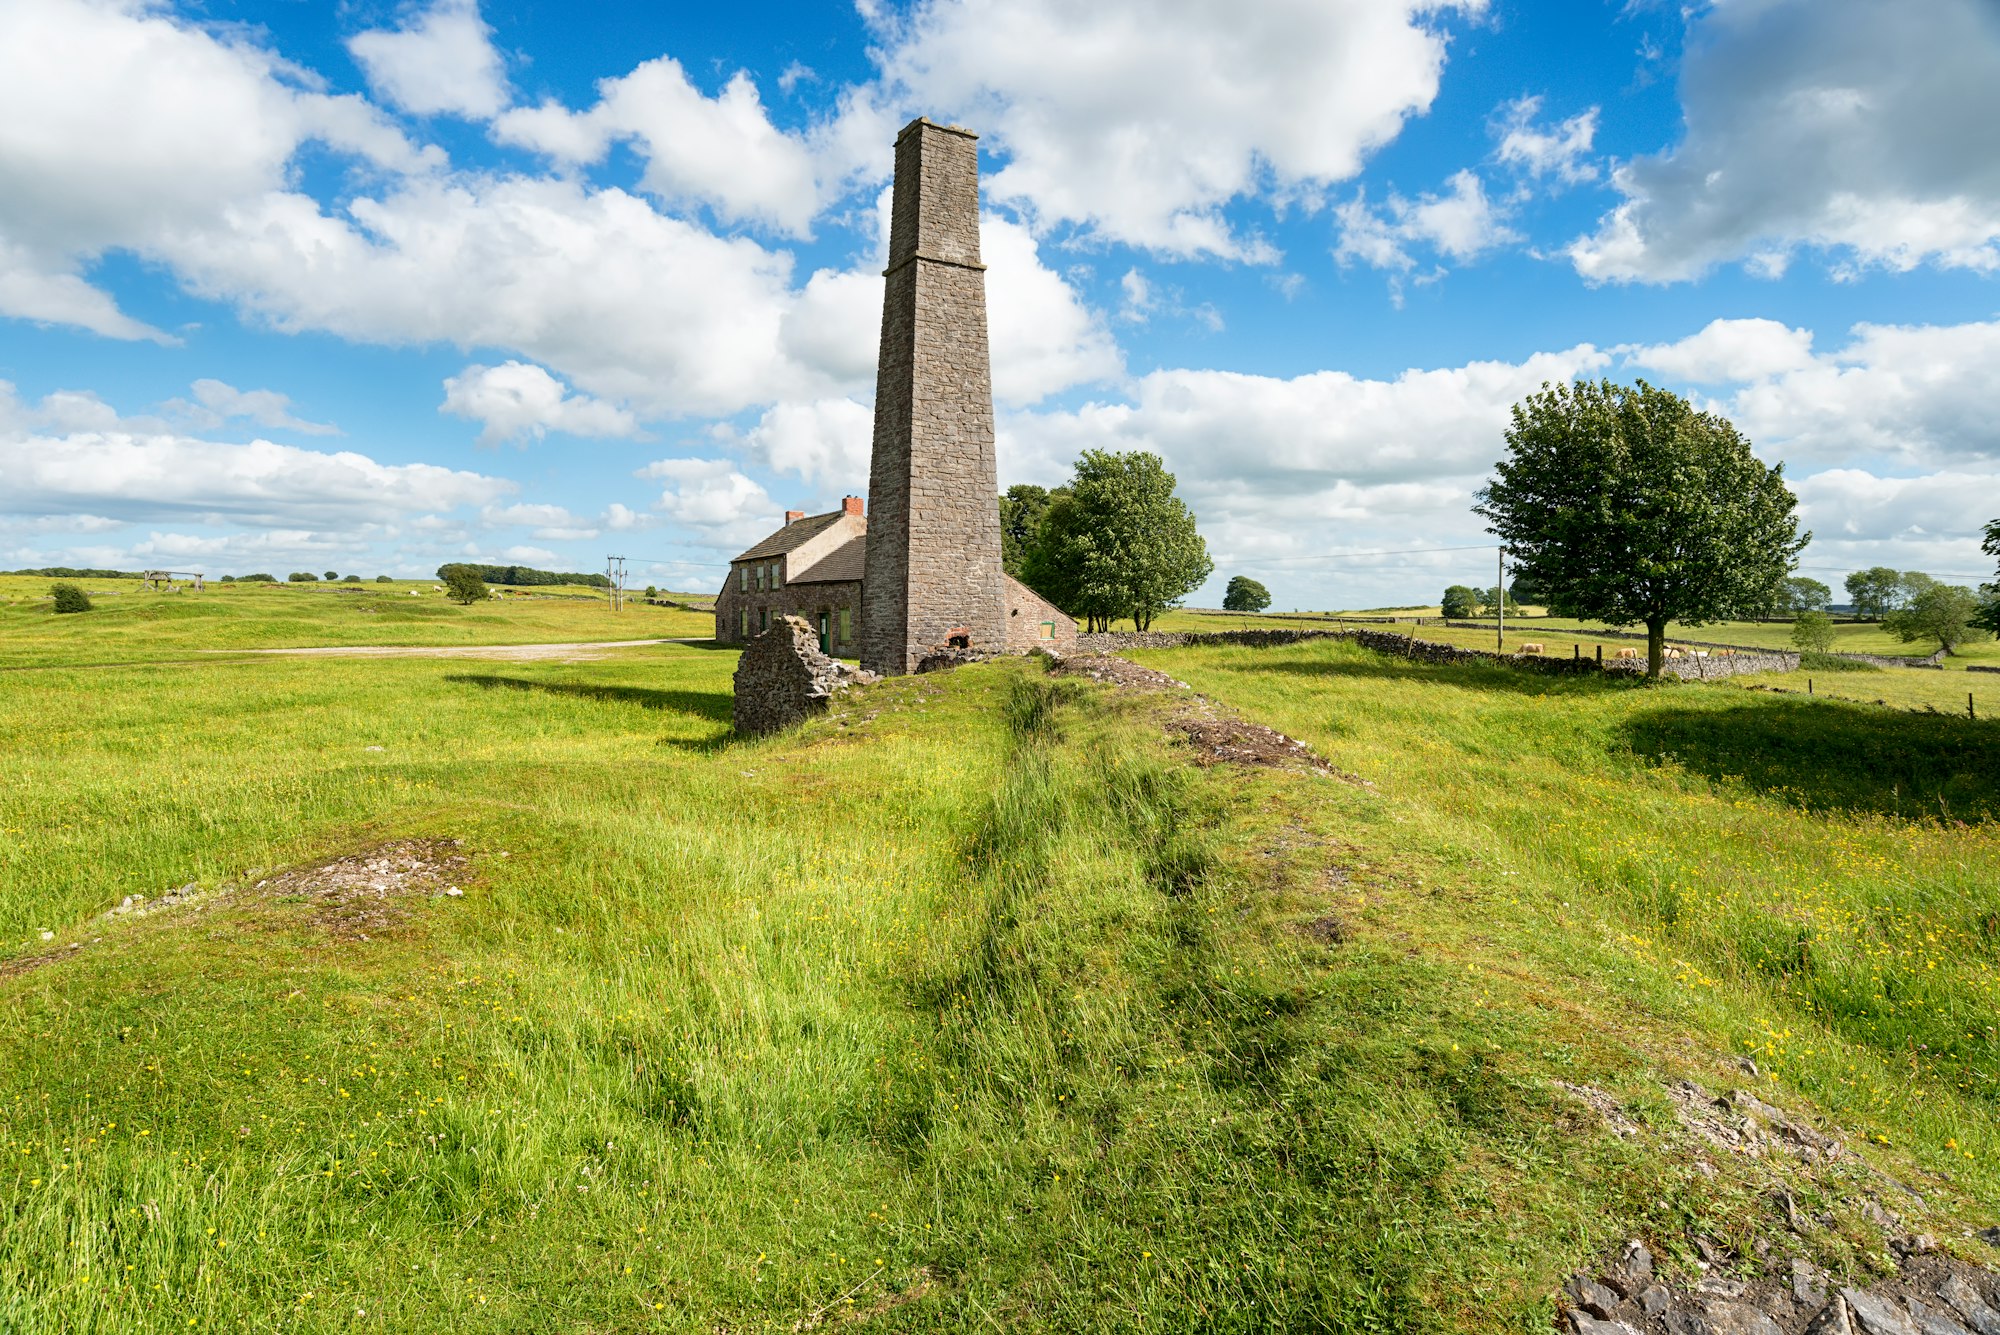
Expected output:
{"points": [[714, 705], [1379, 665], [1833, 757]]}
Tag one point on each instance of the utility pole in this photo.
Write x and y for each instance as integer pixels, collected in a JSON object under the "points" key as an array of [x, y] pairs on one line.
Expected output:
{"points": [[614, 572], [1500, 601]]}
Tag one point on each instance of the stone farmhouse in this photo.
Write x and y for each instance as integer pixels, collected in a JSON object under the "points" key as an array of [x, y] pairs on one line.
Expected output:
{"points": [[813, 568]]}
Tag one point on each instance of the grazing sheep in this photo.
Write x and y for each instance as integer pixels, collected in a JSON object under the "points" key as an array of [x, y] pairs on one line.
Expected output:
{"points": [[1628, 653], [1531, 648]]}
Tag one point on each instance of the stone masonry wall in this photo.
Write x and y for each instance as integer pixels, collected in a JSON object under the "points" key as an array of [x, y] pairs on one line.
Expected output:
{"points": [[783, 679], [1429, 651], [802, 600], [1027, 612], [933, 561]]}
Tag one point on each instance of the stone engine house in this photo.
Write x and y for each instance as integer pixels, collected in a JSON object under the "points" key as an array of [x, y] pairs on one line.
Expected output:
{"points": [[931, 578], [813, 568]]}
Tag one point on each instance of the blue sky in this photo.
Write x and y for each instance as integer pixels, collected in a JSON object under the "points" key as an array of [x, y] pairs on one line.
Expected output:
{"points": [[370, 287]]}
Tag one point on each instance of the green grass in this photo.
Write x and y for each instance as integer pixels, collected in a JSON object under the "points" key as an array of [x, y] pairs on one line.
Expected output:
{"points": [[1809, 880], [972, 1005], [130, 624]]}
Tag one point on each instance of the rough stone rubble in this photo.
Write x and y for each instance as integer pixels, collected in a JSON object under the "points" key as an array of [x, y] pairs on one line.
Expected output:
{"points": [[1778, 1289], [783, 679]]}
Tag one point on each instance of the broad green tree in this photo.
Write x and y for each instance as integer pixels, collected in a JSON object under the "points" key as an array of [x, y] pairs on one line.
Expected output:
{"points": [[1875, 592], [1939, 612], [1988, 617], [1245, 595], [1804, 594], [1625, 503], [462, 584], [1489, 600], [1119, 544], [1812, 631], [1458, 602], [1021, 509]]}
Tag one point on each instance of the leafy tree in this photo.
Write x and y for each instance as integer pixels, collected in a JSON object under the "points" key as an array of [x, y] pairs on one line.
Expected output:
{"points": [[1120, 543], [651, 592], [383, 579], [1627, 504], [462, 584], [1021, 509], [1522, 588], [351, 579], [1875, 592], [1812, 631], [1458, 602], [1803, 594], [1489, 599], [1941, 612], [1245, 595], [331, 576], [1988, 616], [69, 598], [302, 577], [256, 579], [227, 579]]}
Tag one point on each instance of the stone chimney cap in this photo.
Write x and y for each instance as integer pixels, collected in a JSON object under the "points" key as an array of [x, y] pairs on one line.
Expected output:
{"points": [[935, 125]]}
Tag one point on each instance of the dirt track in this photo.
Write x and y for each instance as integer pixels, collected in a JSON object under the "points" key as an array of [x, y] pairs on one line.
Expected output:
{"points": [[515, 653]]}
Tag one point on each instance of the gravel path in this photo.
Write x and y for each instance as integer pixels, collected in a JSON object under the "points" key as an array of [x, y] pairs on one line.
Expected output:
{"points": [[517, 653]]}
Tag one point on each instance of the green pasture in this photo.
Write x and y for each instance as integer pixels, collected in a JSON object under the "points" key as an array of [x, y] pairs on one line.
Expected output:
{"points": [[972, 1004], [130, 624]]}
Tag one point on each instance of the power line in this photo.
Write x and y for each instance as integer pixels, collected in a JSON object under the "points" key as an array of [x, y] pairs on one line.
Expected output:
{"points": [[1352, 556]]}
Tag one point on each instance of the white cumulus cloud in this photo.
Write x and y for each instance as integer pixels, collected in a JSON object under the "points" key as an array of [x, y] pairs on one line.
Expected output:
{"points": [[1857, 129], [516, 400], [441, 61], [1141, 120]]}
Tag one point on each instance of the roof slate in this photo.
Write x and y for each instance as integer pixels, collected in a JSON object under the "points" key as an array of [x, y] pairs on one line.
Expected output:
{"points": [[844, 562], [791, 537]]}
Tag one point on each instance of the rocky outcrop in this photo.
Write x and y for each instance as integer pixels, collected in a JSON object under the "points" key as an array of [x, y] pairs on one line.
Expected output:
{"points": [[783, 679]]}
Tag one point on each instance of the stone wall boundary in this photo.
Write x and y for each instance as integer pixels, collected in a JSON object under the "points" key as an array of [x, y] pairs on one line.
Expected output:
{"points": [[1879, 660], [1430, 651]]}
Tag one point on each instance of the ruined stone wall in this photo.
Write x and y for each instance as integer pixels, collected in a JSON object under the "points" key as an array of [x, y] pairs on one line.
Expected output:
{"points": [[933, 559], [783, 679]]}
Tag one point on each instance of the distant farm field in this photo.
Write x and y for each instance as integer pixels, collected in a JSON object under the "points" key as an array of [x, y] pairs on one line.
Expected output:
{"points": [[129, 623], [989, 1000]]}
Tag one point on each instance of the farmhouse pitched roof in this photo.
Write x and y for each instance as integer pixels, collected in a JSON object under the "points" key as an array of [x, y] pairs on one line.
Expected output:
{"points": [[844, 562], [791, 537]]}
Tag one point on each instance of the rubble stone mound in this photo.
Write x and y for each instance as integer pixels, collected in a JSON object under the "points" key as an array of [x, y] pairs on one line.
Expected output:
{"points": [[946, 656], [783, 679]]}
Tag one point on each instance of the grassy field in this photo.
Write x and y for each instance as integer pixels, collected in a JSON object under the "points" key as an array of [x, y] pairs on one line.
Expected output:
{"points": [[972, 1005], [129, 624]]}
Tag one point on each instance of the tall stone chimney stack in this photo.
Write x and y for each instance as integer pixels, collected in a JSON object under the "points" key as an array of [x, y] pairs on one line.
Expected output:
{"points": [[933, 558]]}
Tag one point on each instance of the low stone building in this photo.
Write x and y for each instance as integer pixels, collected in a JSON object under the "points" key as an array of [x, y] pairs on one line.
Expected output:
{"points": [[812, 568]]}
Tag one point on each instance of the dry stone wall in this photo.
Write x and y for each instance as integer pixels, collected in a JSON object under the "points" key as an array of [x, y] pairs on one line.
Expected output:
{"points": [[783, 679], [1430, 651]]}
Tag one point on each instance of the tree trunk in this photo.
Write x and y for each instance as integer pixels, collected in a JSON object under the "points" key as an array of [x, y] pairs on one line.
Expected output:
{"points": [[1656, 647]]}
